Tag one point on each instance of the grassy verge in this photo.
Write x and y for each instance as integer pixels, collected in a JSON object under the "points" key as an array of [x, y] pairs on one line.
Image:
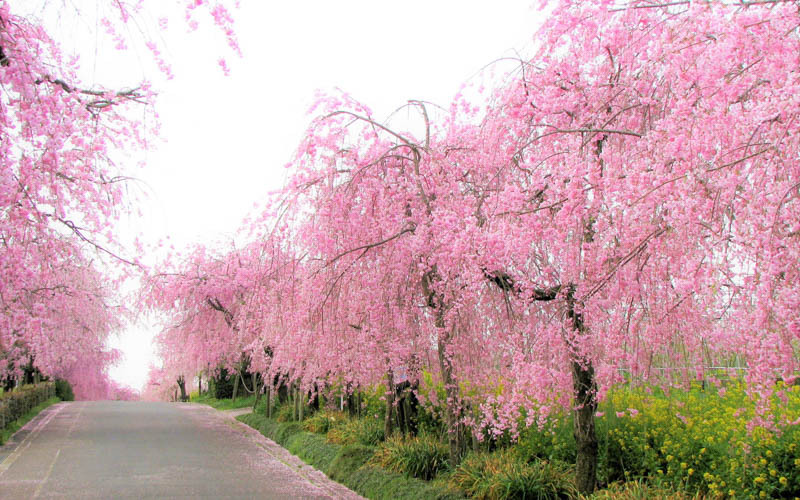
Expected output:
{"points": [[16, 425], [347, 464], [223, 404]]}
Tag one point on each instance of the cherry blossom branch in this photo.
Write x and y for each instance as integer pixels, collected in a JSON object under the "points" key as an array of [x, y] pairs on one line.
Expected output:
{"points": [[367, 247]]}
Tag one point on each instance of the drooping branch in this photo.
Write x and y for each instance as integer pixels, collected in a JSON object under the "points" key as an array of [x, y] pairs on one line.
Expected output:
{"points": [[217, 306], [506, 283]]}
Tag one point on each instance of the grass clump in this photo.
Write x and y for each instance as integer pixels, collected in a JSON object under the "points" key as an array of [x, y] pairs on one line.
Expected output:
{"points": [[323, 421], [367, 431], [284, 413], [503, 475], [641, 490], [422, 456]]}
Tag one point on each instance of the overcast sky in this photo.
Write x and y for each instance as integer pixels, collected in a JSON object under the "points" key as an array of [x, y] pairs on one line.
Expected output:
{"points": [[226, 139]]}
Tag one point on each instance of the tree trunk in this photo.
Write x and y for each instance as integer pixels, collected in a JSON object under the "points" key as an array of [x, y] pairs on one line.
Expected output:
{"points": [[401, 405], [584, 388], [389, 420], [182, 386], [451, 389], [235, 384], [200, 385], [296, 398], [268, 402], [302, 399], [257, 391]]}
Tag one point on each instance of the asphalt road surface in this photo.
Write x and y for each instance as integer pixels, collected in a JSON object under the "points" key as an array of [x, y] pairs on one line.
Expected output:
{"points": [[117, 449]]}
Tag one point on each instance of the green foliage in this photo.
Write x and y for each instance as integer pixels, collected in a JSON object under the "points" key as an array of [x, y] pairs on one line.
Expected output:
{"points": [[313, 449], [222, 404], [265, 426], [552, 442], [284, 413], [64, 390], [349, 459], [20, 401], [19, 423], [346, 464], [367, 431], [285, 431], [373, 403], [694, 441], [422, 457], [378, 484], [222, 385], [503, 475], [323, 421], [641, 490]]}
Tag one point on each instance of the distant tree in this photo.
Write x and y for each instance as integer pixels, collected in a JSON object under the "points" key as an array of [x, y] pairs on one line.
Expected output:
{"points": [[63, 186]]}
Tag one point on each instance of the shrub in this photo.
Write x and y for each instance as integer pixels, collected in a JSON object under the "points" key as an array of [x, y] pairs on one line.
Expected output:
{"points": [[701, 441], [64, 390], [422, 457], [323, 421], [552, 442], [14, 405], [367, 431], [503, 475], [641, 490], [285, 412]]}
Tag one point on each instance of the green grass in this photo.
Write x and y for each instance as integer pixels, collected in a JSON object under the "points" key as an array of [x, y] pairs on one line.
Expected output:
{"points": [[16, 425], [224, 404], [347, 463], [423, 456]]}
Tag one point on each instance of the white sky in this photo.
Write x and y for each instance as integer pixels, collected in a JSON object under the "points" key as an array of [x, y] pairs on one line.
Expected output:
{"points": [[228, 138]]}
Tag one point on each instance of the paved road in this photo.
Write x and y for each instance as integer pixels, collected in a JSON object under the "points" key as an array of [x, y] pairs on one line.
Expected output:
{"points": [[152, 450]]}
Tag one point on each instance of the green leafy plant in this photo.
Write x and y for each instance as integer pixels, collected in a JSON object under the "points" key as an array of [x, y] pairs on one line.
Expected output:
{"points": [[323, 421], [503, 475], [64, 390], [422, 457], [366, 431]]}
